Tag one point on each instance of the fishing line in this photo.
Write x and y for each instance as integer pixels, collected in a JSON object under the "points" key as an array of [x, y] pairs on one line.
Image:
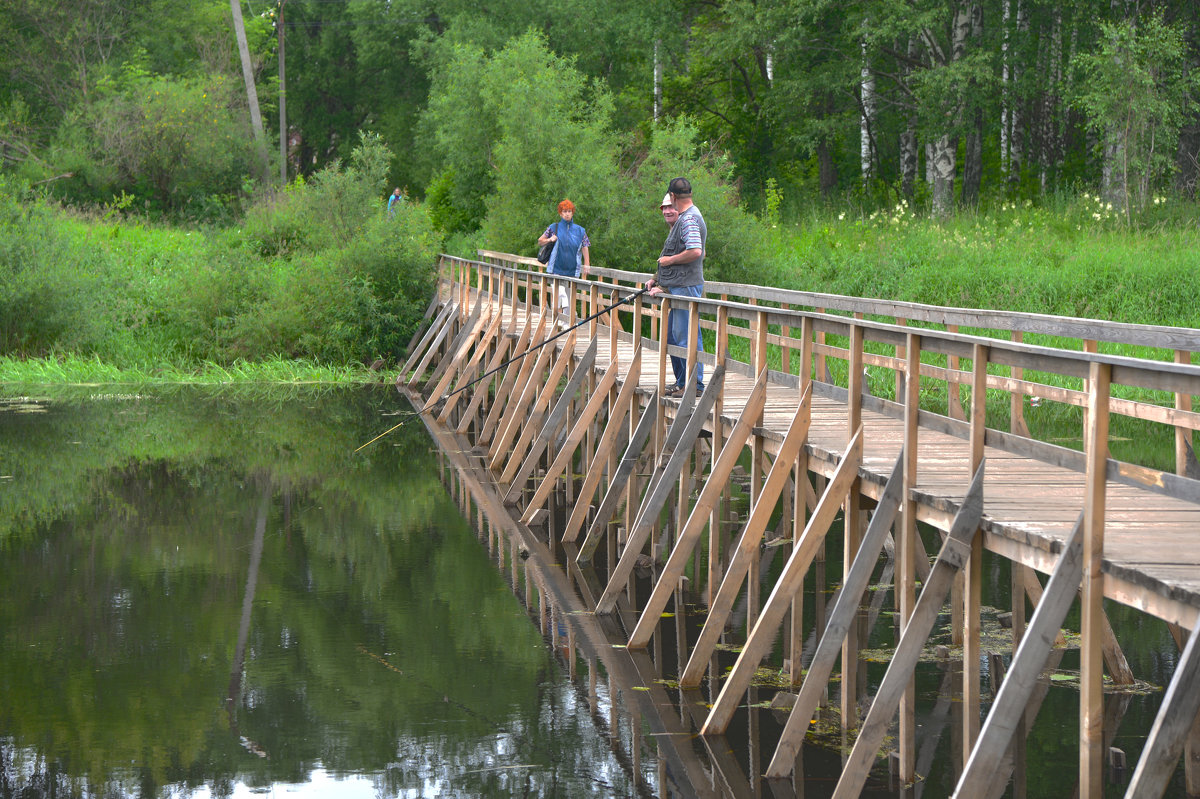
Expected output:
{"points": [[435, 402]]}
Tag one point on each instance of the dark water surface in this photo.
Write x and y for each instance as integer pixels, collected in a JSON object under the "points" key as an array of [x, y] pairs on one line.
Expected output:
{"points": [[207, 592]]}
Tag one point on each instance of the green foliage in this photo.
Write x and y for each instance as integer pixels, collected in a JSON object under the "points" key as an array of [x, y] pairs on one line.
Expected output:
{"points": [[180, 146], [479, 118], [1133, 93], [321, 272], [48, 282]]}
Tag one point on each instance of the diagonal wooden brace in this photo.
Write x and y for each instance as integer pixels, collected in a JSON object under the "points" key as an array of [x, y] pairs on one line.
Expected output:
{"points": [[955, 553], [1012, 699], [747, 547], [840, 618], [660, 488], [690, 534], [605, 446], [549, 429], [617, 486]]}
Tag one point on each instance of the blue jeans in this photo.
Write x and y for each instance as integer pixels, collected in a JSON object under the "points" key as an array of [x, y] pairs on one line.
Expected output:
{"points": [[677, 334]]}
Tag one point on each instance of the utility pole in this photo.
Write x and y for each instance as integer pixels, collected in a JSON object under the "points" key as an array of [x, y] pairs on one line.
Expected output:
{"points": [[260, 138], [283, 137]]}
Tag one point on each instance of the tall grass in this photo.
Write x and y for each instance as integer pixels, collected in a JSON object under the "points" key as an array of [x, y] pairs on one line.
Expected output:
{"points": [[81, 370]]}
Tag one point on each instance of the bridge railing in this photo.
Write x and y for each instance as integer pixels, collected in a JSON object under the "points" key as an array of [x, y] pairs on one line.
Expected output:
{"points": [[1033, 362]]}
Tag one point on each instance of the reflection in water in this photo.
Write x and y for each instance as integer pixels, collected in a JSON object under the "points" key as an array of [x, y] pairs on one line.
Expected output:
{"points": [[206, 593]]}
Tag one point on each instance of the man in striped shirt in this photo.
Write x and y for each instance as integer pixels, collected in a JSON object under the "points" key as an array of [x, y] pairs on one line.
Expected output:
{"points": [[681, 273]]}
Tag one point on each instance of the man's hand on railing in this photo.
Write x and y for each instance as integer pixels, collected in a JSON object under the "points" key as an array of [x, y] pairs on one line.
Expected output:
{"points": [[654, 289]]}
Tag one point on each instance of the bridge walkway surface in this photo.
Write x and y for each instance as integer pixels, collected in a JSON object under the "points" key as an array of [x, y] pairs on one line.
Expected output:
{"points": [[793, 380]]}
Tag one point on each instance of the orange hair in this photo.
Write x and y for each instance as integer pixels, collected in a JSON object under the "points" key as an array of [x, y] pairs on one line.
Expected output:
{"points": [[566, 205]]}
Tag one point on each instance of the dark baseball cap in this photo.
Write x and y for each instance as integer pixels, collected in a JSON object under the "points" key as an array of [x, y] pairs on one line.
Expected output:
{"points": [[679, 186]]}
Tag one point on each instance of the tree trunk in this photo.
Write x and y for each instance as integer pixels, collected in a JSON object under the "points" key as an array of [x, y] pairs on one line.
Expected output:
{"points": [[1005, 91], [658, 77], [1187, 157], [909, 154], [944, 156], [260, 138], [283, 137], [826, 169], [1017, 138], [867, 116], [1049, 158], [973, 161], [973, 155]]}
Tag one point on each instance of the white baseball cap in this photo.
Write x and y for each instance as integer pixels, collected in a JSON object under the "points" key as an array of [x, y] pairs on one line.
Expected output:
{"points": [[666, 200]]}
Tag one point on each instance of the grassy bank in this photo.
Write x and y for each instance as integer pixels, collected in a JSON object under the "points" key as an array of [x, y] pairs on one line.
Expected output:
{"points": [[318, 273], [1073, 257]]}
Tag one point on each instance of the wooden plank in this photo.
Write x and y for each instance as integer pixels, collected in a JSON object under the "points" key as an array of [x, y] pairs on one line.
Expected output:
{"points": [[1008, 709], [454, 359], [955, 552], [747, 547], [421, 328], [437, 325], [494, 364], [439, 336], [690, 534], [519, 404], [844, 610], [608, 442], [550, 427], [520, 350], [572, 441], [678, 451], [1091, 654], [467, 375], [1176, 714], [461, 339], [533, 421], [616, 486]]}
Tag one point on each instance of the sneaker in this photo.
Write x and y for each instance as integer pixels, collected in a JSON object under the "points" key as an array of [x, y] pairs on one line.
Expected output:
{"points": [[699, 390], [674, 392]]}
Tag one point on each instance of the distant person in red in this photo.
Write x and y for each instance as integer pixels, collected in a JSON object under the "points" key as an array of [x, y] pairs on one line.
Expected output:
{"points": [[570, 256]]}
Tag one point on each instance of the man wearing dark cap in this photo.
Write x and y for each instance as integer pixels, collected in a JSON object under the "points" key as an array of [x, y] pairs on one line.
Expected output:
{"points": [[681, 273]]}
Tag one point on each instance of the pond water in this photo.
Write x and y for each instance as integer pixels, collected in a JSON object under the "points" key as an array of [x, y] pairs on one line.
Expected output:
{"points": [[208, 592]]}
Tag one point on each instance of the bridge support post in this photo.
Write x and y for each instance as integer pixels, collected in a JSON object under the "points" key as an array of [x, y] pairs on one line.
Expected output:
{"points": [[1091, 658], [906, 576], [851, 532], [973, 573]]}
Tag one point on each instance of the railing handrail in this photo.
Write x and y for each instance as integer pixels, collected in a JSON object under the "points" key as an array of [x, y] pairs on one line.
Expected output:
{"points": [[1156, 336]]}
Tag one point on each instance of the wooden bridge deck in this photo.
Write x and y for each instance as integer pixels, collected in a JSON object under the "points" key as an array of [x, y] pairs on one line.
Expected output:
{"points": [[1151, 542], [1099, 527]]}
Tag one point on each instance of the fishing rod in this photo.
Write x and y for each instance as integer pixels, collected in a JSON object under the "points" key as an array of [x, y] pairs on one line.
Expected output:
{"points": [[438, 400]]}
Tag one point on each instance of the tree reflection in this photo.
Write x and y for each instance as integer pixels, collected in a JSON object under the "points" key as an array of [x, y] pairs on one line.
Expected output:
{"points": [[379, 640]]}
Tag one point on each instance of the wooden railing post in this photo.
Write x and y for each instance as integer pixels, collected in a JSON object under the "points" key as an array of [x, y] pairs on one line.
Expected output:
{"points": [[851, 532], [1016, 401], [800, 507], [822, 370], [907, 551], [953, 396], [973, 572], [1183, 435], [1091, 657], [693, 312], [785, 353], [721, 349], [757, 465]]}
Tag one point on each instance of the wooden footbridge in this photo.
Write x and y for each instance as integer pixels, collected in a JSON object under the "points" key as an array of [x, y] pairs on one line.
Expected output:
{"points": [[886, 412]]}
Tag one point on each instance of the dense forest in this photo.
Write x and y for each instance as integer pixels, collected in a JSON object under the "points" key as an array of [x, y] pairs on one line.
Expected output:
{"points": [[940, 102], [269, 121]]}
